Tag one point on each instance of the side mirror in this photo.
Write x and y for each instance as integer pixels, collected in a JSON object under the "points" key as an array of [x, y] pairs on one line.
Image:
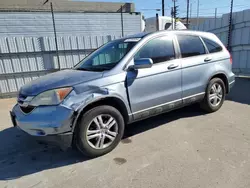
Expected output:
{"points": [[142, 63]]}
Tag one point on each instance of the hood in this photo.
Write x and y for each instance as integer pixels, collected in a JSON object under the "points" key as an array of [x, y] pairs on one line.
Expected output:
{"points": [[57, 80]]}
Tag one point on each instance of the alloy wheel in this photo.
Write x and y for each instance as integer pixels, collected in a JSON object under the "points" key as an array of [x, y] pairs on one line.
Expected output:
{"points": [[102, 131], [215, 94]]}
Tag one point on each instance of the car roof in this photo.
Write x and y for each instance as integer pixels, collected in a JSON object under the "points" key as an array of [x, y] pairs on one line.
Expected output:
{"points": [[186, 32], [208, 35], [138, 35], [141, 35]]}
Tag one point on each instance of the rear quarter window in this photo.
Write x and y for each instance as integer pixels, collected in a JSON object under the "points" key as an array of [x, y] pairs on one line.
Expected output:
{"points": [[212, 46], [190, 46]]}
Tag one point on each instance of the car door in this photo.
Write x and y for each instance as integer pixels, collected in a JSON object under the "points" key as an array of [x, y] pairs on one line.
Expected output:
{"points": [[195, 65], [156, 89]]}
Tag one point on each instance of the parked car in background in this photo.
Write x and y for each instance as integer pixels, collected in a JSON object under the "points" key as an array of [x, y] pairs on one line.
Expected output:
{"points": [[124, 81]]}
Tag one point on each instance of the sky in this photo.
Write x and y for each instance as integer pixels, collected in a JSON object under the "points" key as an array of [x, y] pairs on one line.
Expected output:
{"points": [[207, 7]]}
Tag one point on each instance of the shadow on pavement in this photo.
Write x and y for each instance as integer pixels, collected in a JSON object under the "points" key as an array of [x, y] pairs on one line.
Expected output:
{"points": [[154, 122], [241, 91], [21, 155]]}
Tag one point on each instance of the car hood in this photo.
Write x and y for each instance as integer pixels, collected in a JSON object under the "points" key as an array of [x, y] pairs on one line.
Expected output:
{"points": [[57, 80]]}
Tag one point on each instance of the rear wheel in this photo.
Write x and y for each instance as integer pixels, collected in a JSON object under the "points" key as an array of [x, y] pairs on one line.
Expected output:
{"points": [[215, 95], [99, 131]]}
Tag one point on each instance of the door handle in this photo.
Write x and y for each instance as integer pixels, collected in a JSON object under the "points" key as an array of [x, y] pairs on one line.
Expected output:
{"points": [[208, 59], [172, 66]]}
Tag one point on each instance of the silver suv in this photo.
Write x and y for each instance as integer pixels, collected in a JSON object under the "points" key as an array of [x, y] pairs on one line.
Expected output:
{"points": [[124, 81]]}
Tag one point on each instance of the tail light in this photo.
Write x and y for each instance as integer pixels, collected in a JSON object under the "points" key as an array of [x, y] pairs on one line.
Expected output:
{"points": [[231, 59]]}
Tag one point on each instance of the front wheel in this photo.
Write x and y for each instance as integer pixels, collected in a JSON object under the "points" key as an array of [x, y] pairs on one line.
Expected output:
{"points": [[215, 95], [99, 131]]}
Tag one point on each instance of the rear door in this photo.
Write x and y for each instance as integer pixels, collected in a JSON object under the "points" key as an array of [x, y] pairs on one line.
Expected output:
{"points": [[195, 62]]}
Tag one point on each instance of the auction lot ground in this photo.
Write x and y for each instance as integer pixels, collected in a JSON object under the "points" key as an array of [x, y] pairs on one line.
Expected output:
{"points": [[182, 149]]}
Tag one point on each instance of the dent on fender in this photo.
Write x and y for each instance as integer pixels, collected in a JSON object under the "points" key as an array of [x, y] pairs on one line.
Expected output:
{"points": [[77, 100]]}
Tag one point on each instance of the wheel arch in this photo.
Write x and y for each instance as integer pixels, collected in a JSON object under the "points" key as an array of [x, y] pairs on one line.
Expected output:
{"points": [[110, 101], [224, 78]]}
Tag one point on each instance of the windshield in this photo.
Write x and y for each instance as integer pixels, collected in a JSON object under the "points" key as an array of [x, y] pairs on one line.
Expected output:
{"points": [[107, 56]]}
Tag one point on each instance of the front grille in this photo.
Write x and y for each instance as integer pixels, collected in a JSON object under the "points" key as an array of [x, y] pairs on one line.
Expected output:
{"points": [[27, 109]]}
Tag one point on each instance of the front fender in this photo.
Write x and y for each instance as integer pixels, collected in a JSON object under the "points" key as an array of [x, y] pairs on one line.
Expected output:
{"points": [[79, 101]]}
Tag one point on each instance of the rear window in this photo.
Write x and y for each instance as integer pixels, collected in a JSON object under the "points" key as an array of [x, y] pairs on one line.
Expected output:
{"points": [[191, 46], [212, 46]]}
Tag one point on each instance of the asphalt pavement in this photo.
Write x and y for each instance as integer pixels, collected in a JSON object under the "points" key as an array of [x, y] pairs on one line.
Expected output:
{"points": [[186, 148]]}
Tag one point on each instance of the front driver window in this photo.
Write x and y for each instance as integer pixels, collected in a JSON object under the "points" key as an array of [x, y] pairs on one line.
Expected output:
{"points": [[159, 50]]}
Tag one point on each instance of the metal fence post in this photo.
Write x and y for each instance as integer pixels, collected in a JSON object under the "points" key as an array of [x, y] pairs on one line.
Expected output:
{"points": [[230, 27], [54, 27], [198, 11], [157, 22], [172, 17], [187, 14], [122, 22], [163, 7]]}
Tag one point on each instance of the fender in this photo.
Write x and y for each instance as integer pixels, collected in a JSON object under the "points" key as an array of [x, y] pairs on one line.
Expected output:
{"points": [[223, 76], [90, 97]]}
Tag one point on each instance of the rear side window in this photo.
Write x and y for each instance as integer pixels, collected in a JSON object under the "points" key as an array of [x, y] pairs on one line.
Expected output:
{"points": [[212, 46], [191, 46], [158, 49]]}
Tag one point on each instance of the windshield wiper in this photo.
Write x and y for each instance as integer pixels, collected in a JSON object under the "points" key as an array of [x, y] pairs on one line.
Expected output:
{"points": [[94, 68], [83, 69]]}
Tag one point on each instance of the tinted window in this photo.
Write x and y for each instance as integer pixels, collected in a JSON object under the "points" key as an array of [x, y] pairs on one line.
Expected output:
{"points": [[212, 46], [159, 50], [191, 46]]}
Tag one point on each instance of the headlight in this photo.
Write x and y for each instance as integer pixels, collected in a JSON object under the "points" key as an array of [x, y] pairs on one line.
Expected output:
{"points": [[51, 97]]}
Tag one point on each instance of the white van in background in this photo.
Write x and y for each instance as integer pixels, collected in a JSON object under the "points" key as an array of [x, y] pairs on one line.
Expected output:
{"points": [[164, 23]]}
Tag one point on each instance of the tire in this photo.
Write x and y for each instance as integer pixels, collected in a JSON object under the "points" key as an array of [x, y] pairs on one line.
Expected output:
{"points": [[90, 121], [208, 104]]}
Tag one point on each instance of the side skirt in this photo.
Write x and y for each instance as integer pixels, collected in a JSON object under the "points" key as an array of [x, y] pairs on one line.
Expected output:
{"points": [[167, 107]]}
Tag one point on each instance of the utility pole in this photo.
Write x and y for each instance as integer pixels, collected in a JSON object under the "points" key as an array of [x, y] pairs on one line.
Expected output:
{"points": [[174, 15], [187, 23], [54, 27], [163, 7], [230, 27], [198, 11]]}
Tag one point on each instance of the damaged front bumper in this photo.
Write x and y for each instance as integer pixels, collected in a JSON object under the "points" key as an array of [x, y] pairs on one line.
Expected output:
{"points": [[52, 124]]}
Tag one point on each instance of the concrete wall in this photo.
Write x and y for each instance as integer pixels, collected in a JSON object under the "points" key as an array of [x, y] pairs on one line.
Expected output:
{"points": [[240, 37], [38, 24]]}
